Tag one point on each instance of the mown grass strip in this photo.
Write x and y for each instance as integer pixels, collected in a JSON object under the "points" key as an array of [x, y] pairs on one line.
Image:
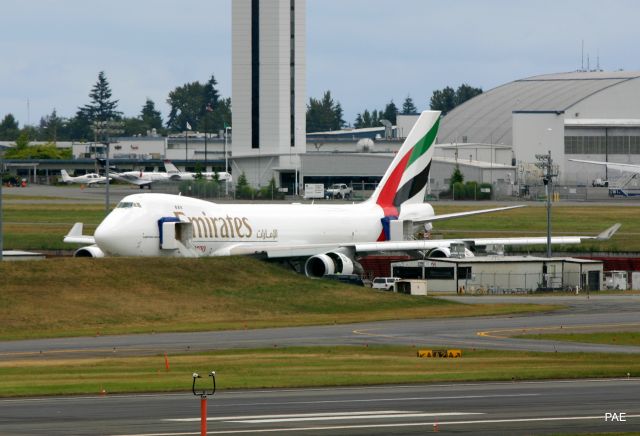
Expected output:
{"points": [[297, 367], [609, 338], [73, 297]]}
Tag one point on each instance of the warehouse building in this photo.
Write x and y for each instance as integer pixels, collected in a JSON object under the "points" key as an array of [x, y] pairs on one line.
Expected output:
{"points": [[502, 274], [591, 115]]}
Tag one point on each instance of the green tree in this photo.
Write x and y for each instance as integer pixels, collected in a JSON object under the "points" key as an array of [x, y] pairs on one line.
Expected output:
{"points": [[408, 108], [9, 130], [150, 116], [456, 177], [192, 103], [134, 126], [443, 100], [101, 108], [324, 114], [390, 112], [466, 92], [51, 126], [23, 150], [79, 127], [243, 190], [447, 99]]}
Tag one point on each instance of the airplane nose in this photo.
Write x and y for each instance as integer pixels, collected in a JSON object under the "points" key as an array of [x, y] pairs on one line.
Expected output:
{"points": [[116, 236]]}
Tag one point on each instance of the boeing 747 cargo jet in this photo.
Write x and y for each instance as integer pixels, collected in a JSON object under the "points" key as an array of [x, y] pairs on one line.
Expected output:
{"points": [[326, 238]]}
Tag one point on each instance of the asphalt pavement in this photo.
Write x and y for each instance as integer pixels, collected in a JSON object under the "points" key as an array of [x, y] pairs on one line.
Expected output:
{"points": [[520, 408]]}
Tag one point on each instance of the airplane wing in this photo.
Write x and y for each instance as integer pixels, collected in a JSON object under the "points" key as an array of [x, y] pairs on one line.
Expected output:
{"points": [[630, 168], [279, 251], [448, 216], [131, 179], [75, 235]]}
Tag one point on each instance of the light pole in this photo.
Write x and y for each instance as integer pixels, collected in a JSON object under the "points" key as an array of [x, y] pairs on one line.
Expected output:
{"points": [[226, 163], [104, 129], [546, 164], [208, 109], [1, 181]]}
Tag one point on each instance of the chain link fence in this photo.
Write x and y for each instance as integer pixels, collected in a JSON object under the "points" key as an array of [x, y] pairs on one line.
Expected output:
{"points": [[499, 283]]}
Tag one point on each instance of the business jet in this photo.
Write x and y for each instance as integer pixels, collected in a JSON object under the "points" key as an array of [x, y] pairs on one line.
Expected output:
{"points": [[142, 178], [176, 174], [86, 179], [321, 238]]}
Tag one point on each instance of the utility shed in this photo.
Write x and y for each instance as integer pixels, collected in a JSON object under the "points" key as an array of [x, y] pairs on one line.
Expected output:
{"points": [[502, 274]]}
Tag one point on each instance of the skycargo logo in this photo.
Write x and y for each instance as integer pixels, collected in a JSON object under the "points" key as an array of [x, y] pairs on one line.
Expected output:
{"points": [[227, 227]]}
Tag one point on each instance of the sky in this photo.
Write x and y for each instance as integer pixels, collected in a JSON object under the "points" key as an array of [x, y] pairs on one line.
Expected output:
{"points": [[366, 52]]}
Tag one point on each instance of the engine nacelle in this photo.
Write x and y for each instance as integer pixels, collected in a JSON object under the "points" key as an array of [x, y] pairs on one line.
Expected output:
{"points": [[89, 251], [328, 263], [446, 252]]}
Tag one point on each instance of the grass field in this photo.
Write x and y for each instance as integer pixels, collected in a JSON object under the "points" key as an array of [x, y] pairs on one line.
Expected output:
{"points": [[42, 226], [611, 338], [74, 296], [299, 366]]}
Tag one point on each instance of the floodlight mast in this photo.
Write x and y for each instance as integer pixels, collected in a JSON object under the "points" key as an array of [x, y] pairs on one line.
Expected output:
{"points": [[1, 181], [103, 130], [546, 164]]}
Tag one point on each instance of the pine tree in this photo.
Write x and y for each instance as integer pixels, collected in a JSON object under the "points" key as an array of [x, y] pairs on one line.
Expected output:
{"points": [[390, 112], [324, 114], [9, 130], [51, 126], [150, 116], [408, 108], [101, 108]]}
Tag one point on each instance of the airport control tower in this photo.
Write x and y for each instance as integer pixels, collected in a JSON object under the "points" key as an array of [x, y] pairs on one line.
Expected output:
{"points": [[268, 90]]}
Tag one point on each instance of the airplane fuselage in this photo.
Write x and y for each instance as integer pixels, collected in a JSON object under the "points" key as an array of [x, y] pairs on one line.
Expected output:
{"points": [[132, 228]]}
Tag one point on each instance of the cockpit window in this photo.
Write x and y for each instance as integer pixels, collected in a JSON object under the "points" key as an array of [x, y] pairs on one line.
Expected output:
{"points": [[127, 204]]}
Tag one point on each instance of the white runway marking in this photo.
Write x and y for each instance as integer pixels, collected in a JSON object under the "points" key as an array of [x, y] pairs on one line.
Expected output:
{"points": [[381, 426], [368, 415], [291, 415]]}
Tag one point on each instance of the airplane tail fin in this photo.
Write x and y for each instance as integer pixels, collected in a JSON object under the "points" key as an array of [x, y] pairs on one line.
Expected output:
{"points": [[170, 167], [405, 181], [65, 176]]}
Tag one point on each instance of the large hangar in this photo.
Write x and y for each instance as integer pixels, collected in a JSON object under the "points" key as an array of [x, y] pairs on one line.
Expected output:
{"points": [[592, 115]]}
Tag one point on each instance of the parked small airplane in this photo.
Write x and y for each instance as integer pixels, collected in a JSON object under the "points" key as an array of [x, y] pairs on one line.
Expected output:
{"points": [[86, 179], [176, 174], [142, 178], [321, 238]]}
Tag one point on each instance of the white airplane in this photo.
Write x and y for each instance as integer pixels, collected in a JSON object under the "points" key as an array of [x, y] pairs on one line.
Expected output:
{"points": [[629, 168], [86, 179], [176, 174], [326, 238], [142, 178]]}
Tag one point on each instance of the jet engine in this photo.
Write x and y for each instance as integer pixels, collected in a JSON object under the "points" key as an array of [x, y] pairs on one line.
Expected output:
{"points": [[446, 252], [89, 251], [329, 263]]}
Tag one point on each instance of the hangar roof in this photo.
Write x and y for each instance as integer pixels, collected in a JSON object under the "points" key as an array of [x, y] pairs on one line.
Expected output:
{"points": [[488, 117]]}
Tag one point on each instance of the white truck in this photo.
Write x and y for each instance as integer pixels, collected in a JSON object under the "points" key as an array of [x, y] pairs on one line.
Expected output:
{"points": [[338, 190]]}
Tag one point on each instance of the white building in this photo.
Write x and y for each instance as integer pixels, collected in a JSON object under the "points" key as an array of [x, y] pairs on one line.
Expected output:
{"points": [[579, 115], [268, 89], [502, 274]]}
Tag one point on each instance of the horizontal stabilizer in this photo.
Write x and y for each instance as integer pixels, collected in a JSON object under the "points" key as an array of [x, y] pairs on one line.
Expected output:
{"points": [[75, 236], [607, 234]]}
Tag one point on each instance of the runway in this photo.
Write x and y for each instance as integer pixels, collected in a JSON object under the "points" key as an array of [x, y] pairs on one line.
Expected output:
{"points": [[468, 408], [474, 408], [611, 312]]}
